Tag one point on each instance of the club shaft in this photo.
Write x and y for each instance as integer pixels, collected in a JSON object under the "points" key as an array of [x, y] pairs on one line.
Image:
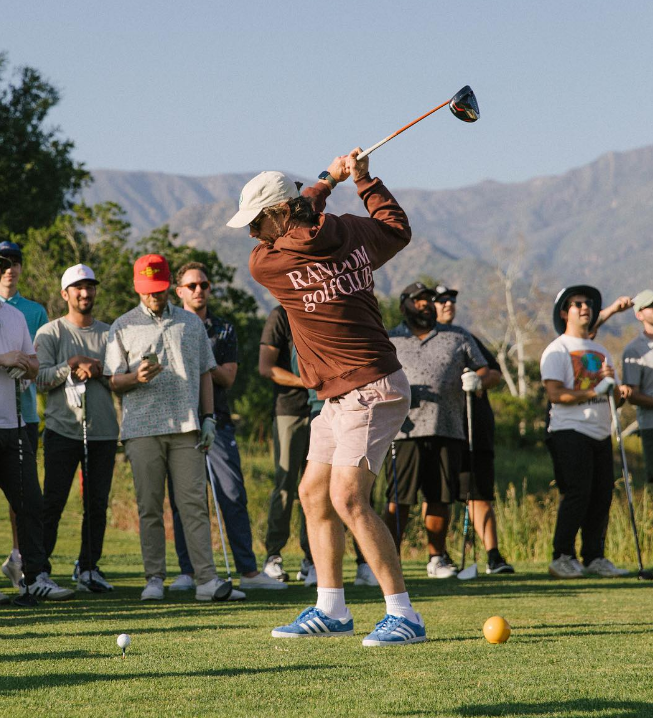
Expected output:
{"points": [[393, 450], [371, 149], [624, 467], [217, 513]]}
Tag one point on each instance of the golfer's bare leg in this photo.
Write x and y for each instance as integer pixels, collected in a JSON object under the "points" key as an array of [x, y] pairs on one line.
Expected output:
{"points": [[390, 520], [326, 534], [485, 523], [350, 496], [436, 523]]}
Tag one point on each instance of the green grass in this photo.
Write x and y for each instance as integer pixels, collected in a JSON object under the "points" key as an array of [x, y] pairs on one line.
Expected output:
{"points": [[578, 648]]}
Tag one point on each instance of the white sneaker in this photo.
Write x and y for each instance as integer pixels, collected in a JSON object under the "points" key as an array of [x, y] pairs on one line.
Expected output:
{"points": [[274, 568], [183, 582], [237, 595], [437, 567], [153, 591], [93, 582], [311, 576], [12, 570], [263, 581], [566, 567], [364, 576], [214, 590], [605, 568], [45, 588]]}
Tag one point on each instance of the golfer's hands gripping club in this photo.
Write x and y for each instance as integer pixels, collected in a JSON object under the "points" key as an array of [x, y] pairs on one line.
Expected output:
{"points": [[604, 386], [16, 364], [471, 381], [357, 168], [207, 434]]}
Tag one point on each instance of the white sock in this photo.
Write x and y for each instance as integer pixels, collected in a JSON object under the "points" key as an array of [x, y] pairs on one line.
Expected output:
{"points": [[15, 555], [332, 602], [398, 604]]}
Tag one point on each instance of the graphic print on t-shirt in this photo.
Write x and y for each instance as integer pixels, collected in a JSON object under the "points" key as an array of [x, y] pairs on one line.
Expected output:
{"points": [[586, 365]]}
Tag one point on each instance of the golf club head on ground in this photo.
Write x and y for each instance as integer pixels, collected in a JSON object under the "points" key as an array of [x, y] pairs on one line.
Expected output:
{"points": [[645, 575], [464, 106], [26, 600], [468, 573]]}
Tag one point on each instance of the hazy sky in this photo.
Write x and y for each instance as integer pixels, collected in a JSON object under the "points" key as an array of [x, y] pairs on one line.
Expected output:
{"points": [[207, 87]]}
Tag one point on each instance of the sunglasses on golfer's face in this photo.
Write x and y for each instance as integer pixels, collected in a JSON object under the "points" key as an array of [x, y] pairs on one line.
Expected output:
{"points": [[255, 224], [193, 285], [581, 303], [445, 299]]}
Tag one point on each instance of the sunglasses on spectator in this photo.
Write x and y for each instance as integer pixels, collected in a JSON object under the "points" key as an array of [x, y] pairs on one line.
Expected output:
{"points": [[444, 300], [580, 303], [193, 285]]}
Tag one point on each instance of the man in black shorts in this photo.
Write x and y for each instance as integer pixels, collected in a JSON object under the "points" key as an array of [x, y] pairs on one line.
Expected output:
{"points": [[482, 489], [430, 443]]}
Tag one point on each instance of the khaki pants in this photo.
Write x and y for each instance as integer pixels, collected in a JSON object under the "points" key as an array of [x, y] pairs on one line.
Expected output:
{"points": [[152, 458]]}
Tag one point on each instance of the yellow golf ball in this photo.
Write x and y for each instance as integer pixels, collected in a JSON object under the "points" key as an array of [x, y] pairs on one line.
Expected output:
{"points": [[496, 630]]}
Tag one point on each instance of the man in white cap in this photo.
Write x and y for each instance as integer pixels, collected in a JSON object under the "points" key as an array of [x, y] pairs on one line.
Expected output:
{"points": [[638, 375], [70, 352], [319, 268]]}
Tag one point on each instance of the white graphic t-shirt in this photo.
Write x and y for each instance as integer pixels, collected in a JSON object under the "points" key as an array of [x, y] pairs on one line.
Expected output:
{"points": [[576, 363]]}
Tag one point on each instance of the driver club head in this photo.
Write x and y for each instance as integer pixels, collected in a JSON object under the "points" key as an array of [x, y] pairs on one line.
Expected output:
{"points": [[645, 575], [468, 573], [464, 105]]}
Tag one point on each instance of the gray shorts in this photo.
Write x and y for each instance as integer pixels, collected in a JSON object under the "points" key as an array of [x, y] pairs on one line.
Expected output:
{"points": [[361, 424]]}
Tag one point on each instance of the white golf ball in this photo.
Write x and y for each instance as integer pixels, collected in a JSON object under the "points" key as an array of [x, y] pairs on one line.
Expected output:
{"points": [[123, 640]]}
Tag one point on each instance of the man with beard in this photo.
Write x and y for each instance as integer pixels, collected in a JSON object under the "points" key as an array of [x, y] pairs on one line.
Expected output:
{"points": [[70, 352], [430, 443]]}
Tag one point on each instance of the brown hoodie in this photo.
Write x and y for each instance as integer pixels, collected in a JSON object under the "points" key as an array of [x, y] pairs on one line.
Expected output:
{"points": [[322, 276]]}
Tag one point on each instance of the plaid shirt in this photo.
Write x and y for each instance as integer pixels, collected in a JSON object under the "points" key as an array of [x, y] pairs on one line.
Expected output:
{"points": [[167, 404]]}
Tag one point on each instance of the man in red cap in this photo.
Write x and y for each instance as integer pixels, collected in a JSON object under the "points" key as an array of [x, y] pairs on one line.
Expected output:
{"points": [[161, 429]]}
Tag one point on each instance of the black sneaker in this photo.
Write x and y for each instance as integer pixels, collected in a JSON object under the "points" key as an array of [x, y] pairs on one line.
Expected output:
{"points": [[498, 565]]}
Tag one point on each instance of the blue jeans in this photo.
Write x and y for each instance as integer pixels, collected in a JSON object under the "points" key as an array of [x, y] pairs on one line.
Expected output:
{"points": [[232, 499]]}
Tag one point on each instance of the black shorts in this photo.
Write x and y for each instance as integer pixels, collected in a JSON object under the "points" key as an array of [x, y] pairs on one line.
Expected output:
{"points": [[483, 488], [430, 464]]}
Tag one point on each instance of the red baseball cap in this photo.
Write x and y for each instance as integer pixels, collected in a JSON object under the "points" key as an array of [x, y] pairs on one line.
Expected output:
{"points": [[151, 274]]}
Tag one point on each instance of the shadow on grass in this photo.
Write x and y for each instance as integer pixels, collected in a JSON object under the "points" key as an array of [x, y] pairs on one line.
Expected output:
{"points": [[15, 684], [579, 708]]}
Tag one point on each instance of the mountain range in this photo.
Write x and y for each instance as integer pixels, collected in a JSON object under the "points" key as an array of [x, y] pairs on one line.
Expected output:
{"points": [[591, 224]]}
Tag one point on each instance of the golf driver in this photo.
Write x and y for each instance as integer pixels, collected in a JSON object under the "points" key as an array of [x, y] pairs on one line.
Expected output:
{"points": [[463, 105], [217, 513], [92, 585], [642, 574], [465, 574], [26, 600]]}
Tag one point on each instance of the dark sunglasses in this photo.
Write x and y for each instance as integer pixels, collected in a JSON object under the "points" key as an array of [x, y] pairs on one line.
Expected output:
{"points": [[444, 300], [589, 303], [193, 285], [255, 224]]}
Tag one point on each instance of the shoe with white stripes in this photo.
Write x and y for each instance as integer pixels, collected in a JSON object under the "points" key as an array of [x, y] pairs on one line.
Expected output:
{"points": [[313, 622], [396, 630], [45, 588]]}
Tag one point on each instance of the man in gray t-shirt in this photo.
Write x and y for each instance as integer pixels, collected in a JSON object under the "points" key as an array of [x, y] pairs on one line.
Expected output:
{"points": [[429, 445], [638, 375], [70, 352]]}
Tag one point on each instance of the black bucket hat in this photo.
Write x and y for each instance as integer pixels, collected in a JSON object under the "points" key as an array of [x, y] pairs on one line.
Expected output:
{"points": [[561, 300]]}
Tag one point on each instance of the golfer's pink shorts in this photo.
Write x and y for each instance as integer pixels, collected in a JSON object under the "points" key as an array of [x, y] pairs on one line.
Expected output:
{"points": [[361, 424]]}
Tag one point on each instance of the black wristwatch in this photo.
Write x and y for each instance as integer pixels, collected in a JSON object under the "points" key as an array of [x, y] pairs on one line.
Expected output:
{"points": [[327, 178]]}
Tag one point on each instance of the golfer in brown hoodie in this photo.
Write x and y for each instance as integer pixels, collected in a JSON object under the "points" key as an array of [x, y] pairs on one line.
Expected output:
{"points": [[319, 267]]}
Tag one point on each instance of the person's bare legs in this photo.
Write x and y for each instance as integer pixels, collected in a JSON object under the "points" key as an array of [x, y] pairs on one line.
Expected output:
{"points": [[390, 520], [485, 523], [436, 522], [326, 534], [349, 491]]}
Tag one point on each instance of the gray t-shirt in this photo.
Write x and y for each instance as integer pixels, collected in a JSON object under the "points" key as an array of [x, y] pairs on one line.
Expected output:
{"points": [[434, 366], [168, 404], [55, 343], [638, 371]]}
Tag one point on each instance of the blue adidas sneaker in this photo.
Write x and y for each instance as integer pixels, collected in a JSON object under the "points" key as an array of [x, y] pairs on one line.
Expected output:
{"points": [[313, 622], [396, 630]]}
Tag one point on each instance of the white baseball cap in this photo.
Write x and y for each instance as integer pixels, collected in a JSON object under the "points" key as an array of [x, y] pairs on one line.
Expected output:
{"points": [[76, 274], [265, 190]]}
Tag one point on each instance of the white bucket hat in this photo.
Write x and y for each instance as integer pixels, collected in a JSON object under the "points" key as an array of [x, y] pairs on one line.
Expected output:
{"points": [[265, 190]]}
